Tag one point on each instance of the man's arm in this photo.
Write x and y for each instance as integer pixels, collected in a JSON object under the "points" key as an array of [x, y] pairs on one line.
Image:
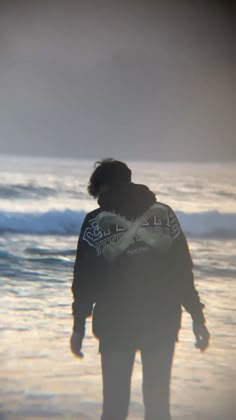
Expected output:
{"points": [[83, 286], [184, 270], [189, 296]]}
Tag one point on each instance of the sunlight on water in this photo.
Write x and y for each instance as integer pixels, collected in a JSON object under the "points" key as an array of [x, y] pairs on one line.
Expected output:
{"points": [[39, 374]]}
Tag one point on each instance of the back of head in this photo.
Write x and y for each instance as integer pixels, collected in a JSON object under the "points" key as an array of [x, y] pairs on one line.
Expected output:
{"points": [[107, 174]]}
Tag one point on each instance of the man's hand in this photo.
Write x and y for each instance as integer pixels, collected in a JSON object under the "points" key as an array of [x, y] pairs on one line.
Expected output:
{"points": [[202, 335], [76, 344]]}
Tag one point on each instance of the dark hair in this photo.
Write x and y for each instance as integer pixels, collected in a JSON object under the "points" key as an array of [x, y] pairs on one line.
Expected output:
{"points": [[108, 172]]}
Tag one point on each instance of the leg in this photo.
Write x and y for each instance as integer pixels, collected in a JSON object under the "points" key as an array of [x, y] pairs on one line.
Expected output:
{"points": [[116, 373], [157, 364]]}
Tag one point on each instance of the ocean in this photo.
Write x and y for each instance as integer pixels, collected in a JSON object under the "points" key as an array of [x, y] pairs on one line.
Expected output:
{"points": [[42, 205]]}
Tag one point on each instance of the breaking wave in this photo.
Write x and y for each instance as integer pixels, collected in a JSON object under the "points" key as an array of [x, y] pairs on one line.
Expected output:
{"points": [[68, 222]]}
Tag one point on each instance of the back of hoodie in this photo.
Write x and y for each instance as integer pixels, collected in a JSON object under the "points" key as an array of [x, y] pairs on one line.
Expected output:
{"points": [[133, 269]]}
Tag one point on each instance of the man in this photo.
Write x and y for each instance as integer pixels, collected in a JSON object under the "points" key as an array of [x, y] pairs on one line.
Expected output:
{"points": [[133, 272]]}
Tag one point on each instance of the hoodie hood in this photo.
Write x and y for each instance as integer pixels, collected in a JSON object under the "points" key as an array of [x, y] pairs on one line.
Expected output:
{"points": [[129, 200]]}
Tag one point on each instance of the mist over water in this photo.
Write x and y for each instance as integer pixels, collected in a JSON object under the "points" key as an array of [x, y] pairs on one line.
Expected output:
{"points": [[130, 79]]}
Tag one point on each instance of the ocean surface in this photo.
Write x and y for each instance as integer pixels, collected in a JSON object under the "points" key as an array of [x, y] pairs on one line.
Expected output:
{"points": [[42, 205]]}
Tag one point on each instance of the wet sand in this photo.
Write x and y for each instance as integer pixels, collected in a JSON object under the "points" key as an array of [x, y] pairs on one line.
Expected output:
{"points": [[40, 378]]}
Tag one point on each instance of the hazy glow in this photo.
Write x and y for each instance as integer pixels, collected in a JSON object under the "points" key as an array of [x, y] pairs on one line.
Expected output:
{"points": [[149, 80]]}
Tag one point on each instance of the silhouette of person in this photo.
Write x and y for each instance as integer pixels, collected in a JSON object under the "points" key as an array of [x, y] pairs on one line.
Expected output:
{"points": [[132, 273]]}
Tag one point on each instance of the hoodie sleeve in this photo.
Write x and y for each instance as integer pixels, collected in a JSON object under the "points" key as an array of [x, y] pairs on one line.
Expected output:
{"points": [[183, 267], [83, 285]]}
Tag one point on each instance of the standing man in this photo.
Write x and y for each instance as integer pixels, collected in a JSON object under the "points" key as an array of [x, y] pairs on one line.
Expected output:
{"points": [[133, 272]]}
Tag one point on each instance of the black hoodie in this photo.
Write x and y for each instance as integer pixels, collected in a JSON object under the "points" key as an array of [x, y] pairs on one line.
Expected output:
{"points": [[133, 270]]}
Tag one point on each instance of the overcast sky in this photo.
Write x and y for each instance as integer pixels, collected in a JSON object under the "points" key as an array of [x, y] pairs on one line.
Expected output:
{"points": [[129, 79]]}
